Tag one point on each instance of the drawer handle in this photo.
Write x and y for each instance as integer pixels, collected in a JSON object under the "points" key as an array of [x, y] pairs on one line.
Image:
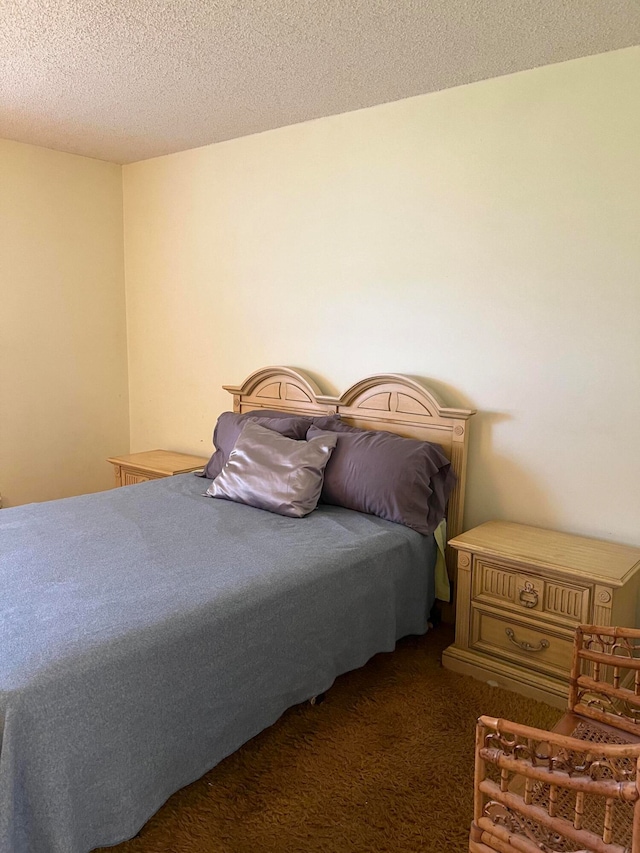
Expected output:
{"points": [[524, 645], [528, 595]]}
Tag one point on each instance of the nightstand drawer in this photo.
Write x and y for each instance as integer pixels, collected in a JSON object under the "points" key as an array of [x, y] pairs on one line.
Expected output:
{"points": [[130, 478], [499, 585], [524, 644]]}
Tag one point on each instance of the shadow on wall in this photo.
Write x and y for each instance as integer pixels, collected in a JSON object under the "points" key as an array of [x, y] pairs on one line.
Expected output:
{"points": [[497, 487]]}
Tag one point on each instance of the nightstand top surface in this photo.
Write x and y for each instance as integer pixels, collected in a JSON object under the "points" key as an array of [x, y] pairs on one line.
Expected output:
{"points": [[597, 559], [165, 462]]}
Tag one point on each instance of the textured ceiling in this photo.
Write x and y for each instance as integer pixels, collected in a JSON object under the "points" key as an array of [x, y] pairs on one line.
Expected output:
{"points": [[124, 80]]}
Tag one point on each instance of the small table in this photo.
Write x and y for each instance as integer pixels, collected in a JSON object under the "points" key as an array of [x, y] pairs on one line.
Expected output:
{"points": [[152, 465], [521, 593]]}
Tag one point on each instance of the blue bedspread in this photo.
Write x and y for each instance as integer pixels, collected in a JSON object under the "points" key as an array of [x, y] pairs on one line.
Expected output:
{"points": [[147, 632]]}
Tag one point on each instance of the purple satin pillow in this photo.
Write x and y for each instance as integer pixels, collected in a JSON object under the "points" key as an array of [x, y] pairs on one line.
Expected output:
{"points": [[400, 479], [229, 427]]}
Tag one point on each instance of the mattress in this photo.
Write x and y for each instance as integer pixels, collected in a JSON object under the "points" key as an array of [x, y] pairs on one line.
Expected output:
{"points": [[147, 632]]}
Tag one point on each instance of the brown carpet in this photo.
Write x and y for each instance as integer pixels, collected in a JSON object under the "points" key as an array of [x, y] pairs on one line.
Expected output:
{"points": [[383, 765]]}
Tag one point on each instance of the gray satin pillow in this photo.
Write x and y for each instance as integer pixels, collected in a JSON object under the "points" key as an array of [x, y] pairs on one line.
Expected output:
{"points": [[271, 472], [229, 426]]}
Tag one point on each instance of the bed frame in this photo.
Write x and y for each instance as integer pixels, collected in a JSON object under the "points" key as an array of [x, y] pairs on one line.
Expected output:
{"points": [[387, 401]]}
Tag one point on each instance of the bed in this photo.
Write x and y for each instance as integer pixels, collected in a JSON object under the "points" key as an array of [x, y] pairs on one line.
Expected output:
{"points": [[147, 632]]}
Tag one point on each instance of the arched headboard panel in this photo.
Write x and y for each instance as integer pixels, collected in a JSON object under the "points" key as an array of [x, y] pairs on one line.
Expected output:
{"points": [[405, 406], [279, 388], [387, 401]]}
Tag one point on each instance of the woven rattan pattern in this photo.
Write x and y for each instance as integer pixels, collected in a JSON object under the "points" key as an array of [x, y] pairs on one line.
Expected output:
{"points": [[593, 806]]}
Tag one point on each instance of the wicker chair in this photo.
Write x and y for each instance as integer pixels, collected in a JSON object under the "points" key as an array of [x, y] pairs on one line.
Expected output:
{"points": [[576, 788]]}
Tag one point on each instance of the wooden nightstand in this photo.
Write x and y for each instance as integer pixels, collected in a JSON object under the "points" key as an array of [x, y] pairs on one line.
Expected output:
{"points": [[521, 593], [152, 465]]}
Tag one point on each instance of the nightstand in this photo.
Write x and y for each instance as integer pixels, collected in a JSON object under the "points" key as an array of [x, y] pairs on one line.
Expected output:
{"points": [[521, 593], [152, 465]]}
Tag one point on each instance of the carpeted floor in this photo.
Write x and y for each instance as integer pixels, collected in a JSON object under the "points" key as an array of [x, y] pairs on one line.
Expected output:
{"points": [[383, 765]]}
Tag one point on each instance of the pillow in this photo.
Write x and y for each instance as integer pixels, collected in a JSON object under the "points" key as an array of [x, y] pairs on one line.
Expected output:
{"points": [[229, 426], [400, 479], [272, 472]]}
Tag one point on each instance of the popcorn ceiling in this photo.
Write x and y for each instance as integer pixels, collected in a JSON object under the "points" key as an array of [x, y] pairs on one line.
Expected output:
{"points": [[125, 80]]}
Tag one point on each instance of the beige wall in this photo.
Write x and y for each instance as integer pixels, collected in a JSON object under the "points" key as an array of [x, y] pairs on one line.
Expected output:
{"points": [[63, 365], [486, 238]]}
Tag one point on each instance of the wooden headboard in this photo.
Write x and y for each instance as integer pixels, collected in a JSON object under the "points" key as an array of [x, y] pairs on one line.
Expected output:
{"points": [[388, 401]]}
